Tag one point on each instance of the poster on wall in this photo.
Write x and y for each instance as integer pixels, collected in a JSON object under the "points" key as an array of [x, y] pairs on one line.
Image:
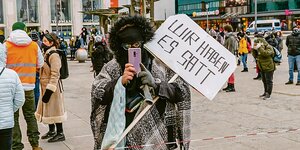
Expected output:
{"points": [[27, 11], [63, 7], [234, 3]]}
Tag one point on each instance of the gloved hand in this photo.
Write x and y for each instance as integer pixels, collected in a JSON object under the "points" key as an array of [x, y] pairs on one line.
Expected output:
{"points": [[146, 77], [257, 46], [47, 96]]}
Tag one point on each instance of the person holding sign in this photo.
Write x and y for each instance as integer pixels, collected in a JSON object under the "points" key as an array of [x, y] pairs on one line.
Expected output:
{"points": [[118, 87], [231, 44]]}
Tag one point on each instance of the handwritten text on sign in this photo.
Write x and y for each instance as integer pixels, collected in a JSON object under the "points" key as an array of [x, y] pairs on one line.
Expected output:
{"points": [[193, 54]]}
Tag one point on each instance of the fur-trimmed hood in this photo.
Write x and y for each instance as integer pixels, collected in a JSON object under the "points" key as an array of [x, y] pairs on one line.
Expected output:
{"points": [[115, 42]]}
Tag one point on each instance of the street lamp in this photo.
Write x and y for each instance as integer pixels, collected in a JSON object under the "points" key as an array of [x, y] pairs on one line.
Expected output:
{"points": [[206, 6], [255, 15]]}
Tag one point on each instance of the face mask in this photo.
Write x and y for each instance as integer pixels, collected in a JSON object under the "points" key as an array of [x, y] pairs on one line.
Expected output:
{"points": [[45, 47], [225, 33], [257, 46]]}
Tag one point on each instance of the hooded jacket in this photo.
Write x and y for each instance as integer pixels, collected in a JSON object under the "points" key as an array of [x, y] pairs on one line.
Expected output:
{"points": [[167, 120], [264, 55], [173, 109], [12, 95], [243, 46], [20, 39], [293, 44], [231, 43]]}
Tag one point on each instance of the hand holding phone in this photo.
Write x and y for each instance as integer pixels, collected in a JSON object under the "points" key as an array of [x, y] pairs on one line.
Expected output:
{"points": [[134, 58]]}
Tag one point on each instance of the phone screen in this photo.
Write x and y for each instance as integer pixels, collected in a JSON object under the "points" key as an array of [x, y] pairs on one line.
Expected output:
{"points": [[134, 57]]}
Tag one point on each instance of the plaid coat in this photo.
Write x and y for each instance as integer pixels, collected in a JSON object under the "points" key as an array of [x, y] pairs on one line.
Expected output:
{"points": [[159, 125]]}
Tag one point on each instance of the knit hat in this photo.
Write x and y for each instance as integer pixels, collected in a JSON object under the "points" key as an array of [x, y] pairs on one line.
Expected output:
{"points": [[18, 26]]}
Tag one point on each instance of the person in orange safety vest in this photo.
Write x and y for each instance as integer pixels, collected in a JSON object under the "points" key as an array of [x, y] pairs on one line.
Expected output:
{"points": [[25, 57]]}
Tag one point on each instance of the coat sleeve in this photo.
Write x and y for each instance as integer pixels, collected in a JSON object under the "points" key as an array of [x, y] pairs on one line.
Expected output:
{"points": [[55, 63], [19, 95], [102, 85], [184, 114], [183, 103], [267, 51], [40, 58], [101, 97], [287, 42]]}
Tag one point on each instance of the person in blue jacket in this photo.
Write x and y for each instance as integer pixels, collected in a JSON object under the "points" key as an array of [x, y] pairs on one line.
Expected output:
{"points": [[12, 97]]}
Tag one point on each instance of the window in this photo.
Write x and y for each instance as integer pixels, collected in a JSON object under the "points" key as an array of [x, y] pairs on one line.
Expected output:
{"points": [[63, 31], [277, 24], [298, 4], [64, 11], [1, 12], [89, 5], [282, 5], [234, 3], [264, 25], [27, 11], [262, 7]]}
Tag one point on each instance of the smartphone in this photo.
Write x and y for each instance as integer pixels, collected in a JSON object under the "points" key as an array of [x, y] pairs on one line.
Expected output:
{"points": [[134, 57]]}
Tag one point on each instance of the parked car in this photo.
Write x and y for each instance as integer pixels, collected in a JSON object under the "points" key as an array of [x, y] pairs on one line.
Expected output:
{"points": [[264, 26]]}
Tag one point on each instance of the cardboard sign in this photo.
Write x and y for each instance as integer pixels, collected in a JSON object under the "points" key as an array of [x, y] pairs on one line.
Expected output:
{"points": [[193, 54]]}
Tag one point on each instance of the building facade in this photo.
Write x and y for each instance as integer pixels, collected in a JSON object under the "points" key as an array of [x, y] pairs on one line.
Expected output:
{"points": [[239, 13], [287, 11], [41, 15]]}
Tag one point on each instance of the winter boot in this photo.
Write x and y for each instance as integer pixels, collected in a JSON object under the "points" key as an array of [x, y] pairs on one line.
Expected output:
{"points": [[58, 137], [231, 88], [258, 77], [226, 87], [267, 97], [37, 148], [245, 70], [48, 135]]}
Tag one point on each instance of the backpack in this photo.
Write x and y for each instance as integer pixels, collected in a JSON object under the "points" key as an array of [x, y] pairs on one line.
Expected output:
{"points": [[249, 47], [64, 70], [277, 55]]}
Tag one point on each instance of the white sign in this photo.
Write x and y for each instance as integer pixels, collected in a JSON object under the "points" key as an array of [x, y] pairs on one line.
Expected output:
{"points": [[197, 14], [193, 54]]}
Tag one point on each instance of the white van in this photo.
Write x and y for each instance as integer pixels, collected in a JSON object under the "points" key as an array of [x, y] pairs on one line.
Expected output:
{"points": [[264, 26]]}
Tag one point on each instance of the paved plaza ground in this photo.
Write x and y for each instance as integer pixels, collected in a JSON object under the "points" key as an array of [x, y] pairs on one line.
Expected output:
{"points": [[229, 122]]}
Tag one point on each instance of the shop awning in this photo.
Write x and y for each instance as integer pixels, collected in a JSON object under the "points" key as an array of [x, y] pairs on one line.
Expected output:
{"points": [[209, 18], [233, 16]]}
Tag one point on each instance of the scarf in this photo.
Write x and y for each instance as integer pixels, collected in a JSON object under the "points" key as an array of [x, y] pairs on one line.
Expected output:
{"points": [[116, 121]]}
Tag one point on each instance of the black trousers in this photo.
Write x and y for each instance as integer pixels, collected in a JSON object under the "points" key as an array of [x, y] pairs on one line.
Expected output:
{"points": [[267, 79], [73, 50], [59, 127], [5, 139]]}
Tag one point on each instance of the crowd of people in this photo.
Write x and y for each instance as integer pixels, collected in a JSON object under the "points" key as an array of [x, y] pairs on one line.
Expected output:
{"points": [[30, 67], [263, 48]]}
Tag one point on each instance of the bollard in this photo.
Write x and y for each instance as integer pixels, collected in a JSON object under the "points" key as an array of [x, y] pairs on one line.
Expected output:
{"points": [[81, 55]]}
